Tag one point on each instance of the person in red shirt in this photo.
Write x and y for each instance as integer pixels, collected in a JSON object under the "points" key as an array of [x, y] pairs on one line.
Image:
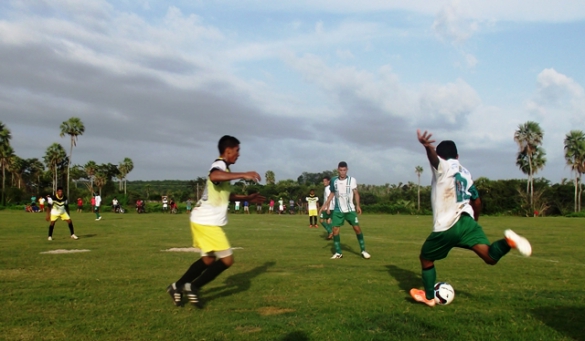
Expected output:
{"points": [[79, 205]]}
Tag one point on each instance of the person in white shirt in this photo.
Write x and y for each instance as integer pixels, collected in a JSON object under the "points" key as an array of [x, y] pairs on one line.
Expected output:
{"points": [[96, 208], [456, 208]]}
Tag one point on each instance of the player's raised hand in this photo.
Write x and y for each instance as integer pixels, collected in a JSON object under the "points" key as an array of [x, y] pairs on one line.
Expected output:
{"points": [[424, 138]]}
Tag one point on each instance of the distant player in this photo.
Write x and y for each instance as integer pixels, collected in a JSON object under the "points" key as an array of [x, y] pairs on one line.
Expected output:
{"points": [[313, 203], [344, 190], [271, 206], [207, 218], [96, 208], [237, 206], [58, 208], [325, 216], [456, 208], [280, 206]]}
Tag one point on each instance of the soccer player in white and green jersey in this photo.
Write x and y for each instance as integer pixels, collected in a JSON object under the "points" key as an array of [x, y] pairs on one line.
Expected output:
{"points": [[456, 209], [207, 218], [324, 216], [344, 190]]}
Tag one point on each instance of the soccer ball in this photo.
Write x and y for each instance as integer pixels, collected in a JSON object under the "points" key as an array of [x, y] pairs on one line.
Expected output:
{"points": [[444, 293]]}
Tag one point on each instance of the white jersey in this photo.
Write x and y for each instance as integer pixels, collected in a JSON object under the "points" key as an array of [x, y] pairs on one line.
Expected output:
{"points": [[343, 190], [451, 189], [212, 208], [98, 200], [326, 193], [312, 202]]}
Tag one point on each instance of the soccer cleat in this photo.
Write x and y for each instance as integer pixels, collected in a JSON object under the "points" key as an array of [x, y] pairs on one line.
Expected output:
{"points": [[193, 296], [50, 238], [337, 256], [176, 294], [420, 296], [73, 236], [365, 254], [518, 242], [100, 218]]}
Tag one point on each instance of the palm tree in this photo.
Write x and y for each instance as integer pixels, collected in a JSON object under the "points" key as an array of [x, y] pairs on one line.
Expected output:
{"points": [[54, 155], [100, 181], [124, 168], [6, 154], [74, 128], [90, 168], [5, 134], [418, 170], [270, 178], [17, 168], [531, 166], [35, 169], [528, 137], [575, 157]]}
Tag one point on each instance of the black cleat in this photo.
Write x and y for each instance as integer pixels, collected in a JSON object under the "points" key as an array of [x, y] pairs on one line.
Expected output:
{"points": [[193, 296], [176, 294]]}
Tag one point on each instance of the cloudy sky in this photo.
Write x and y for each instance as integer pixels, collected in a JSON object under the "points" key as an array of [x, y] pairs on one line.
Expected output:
{"points": [[302, 84]]}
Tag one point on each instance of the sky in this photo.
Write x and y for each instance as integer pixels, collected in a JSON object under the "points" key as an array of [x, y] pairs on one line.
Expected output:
{"points": [[302, 84]]}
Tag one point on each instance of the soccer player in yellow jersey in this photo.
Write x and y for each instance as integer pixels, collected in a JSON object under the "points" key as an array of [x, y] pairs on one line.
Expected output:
{"points": [[207, 218], [59, 208], [313, 203]]}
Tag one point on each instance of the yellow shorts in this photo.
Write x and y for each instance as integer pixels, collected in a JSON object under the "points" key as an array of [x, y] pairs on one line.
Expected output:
{"points": [[312, 213], [209, 238], [63, 216]]}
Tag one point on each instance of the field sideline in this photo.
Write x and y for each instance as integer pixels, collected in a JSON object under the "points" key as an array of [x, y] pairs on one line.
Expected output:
{"points": [[283, 285]]}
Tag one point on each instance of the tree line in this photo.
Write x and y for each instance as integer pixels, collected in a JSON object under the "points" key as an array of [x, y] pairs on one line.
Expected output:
{"points": [[533, 196]]}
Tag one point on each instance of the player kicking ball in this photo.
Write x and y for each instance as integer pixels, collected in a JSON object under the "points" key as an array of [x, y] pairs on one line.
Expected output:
{"points": [[207, 218], [456, 208]]}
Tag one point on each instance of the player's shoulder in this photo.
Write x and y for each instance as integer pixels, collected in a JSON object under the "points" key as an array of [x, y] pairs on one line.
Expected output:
{"points": [[219, 164]]}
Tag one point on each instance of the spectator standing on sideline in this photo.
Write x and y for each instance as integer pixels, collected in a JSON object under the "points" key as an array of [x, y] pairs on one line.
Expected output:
{"points": [[79, 205]]}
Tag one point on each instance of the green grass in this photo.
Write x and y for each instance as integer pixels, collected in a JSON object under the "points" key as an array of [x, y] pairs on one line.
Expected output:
{"points": [[283, 285]]}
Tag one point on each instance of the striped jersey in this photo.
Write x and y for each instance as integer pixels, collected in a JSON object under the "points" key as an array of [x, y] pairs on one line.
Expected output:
{"points": [[326, 193], [58, 205], [343, 190], [312, 202], [451, 189], [212, 208]]}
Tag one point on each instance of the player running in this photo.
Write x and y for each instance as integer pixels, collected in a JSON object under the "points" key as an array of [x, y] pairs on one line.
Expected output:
{"points": [[456, 208], [207, 218]]}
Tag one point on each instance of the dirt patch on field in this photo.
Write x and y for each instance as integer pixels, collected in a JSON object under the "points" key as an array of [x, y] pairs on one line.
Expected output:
{"points": [[248, 329], [59, 251], [266, 311]]}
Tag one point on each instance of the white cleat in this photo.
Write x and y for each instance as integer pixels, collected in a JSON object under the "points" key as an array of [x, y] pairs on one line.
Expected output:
{"points": [[365, 254], [73, 236], [518, 242], [337, 256], [50, 238]]}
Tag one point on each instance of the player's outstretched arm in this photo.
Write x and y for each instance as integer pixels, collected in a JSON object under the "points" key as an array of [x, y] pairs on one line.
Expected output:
{"points": [[220, 176], [253, 198], [425, 140]]}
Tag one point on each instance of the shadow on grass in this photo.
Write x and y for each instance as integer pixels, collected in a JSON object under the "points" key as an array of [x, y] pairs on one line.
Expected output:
{"points": [[296, 336], [566, 320], [87, 235], [235, 283]]}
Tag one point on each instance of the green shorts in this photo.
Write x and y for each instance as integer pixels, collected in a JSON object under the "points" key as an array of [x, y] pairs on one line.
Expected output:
{"points": [[466, 233], [324, 215], [337, 218]]}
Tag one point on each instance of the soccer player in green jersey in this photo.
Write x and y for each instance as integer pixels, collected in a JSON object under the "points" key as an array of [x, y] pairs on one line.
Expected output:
{"points": [[207, 220], [344, 190], [456, 208]]}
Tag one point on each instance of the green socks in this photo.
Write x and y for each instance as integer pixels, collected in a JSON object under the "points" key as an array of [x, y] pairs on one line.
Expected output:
{"points": [[429, 276], [360, 238], [337, 243], [498, 249], [326, 226]]}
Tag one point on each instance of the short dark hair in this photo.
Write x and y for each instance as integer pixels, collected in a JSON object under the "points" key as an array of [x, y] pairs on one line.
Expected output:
{"points": [[327, 177], [59, 188], [342, 164], [447, 150], [227, 141]]}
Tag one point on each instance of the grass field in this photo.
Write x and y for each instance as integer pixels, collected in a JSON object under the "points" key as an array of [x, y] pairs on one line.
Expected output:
{"points": [[283, 285]]}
